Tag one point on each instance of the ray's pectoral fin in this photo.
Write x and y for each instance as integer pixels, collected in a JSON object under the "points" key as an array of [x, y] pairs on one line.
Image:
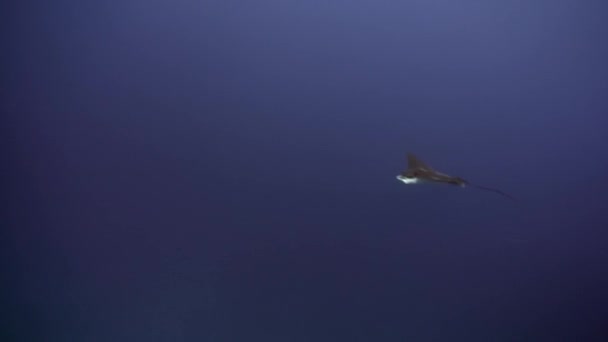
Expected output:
{"points": [[413, 163], [459, 181]]}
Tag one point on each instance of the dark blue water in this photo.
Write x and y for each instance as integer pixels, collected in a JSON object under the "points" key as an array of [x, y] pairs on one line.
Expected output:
{"points": [[225, 171]]}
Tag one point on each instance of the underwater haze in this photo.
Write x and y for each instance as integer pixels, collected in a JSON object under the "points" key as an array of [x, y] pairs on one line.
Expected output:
{"points": [[226, 170]]}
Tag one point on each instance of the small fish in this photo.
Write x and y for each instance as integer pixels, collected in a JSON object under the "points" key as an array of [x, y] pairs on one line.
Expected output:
{"points": [[417, 171]]}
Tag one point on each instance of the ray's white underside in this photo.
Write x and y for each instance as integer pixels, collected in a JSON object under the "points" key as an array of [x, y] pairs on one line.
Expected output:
{"points": [[408, 180]]}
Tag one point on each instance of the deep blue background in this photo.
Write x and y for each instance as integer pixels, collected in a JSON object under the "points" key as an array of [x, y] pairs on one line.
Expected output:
{"points": [[225, 170]]}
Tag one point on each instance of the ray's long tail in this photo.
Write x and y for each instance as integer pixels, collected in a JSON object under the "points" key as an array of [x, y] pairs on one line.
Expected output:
{"points": [[502, 193]]}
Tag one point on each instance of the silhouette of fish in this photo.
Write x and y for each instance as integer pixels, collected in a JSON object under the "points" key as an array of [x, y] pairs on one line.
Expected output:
{"points": [[417, 171]]}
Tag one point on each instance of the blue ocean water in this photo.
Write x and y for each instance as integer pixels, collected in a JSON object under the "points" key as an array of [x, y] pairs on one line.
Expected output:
{"points": [[225, 171]]}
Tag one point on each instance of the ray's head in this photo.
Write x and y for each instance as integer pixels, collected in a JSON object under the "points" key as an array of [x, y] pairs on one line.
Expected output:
{"points": [[408, 177]]}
